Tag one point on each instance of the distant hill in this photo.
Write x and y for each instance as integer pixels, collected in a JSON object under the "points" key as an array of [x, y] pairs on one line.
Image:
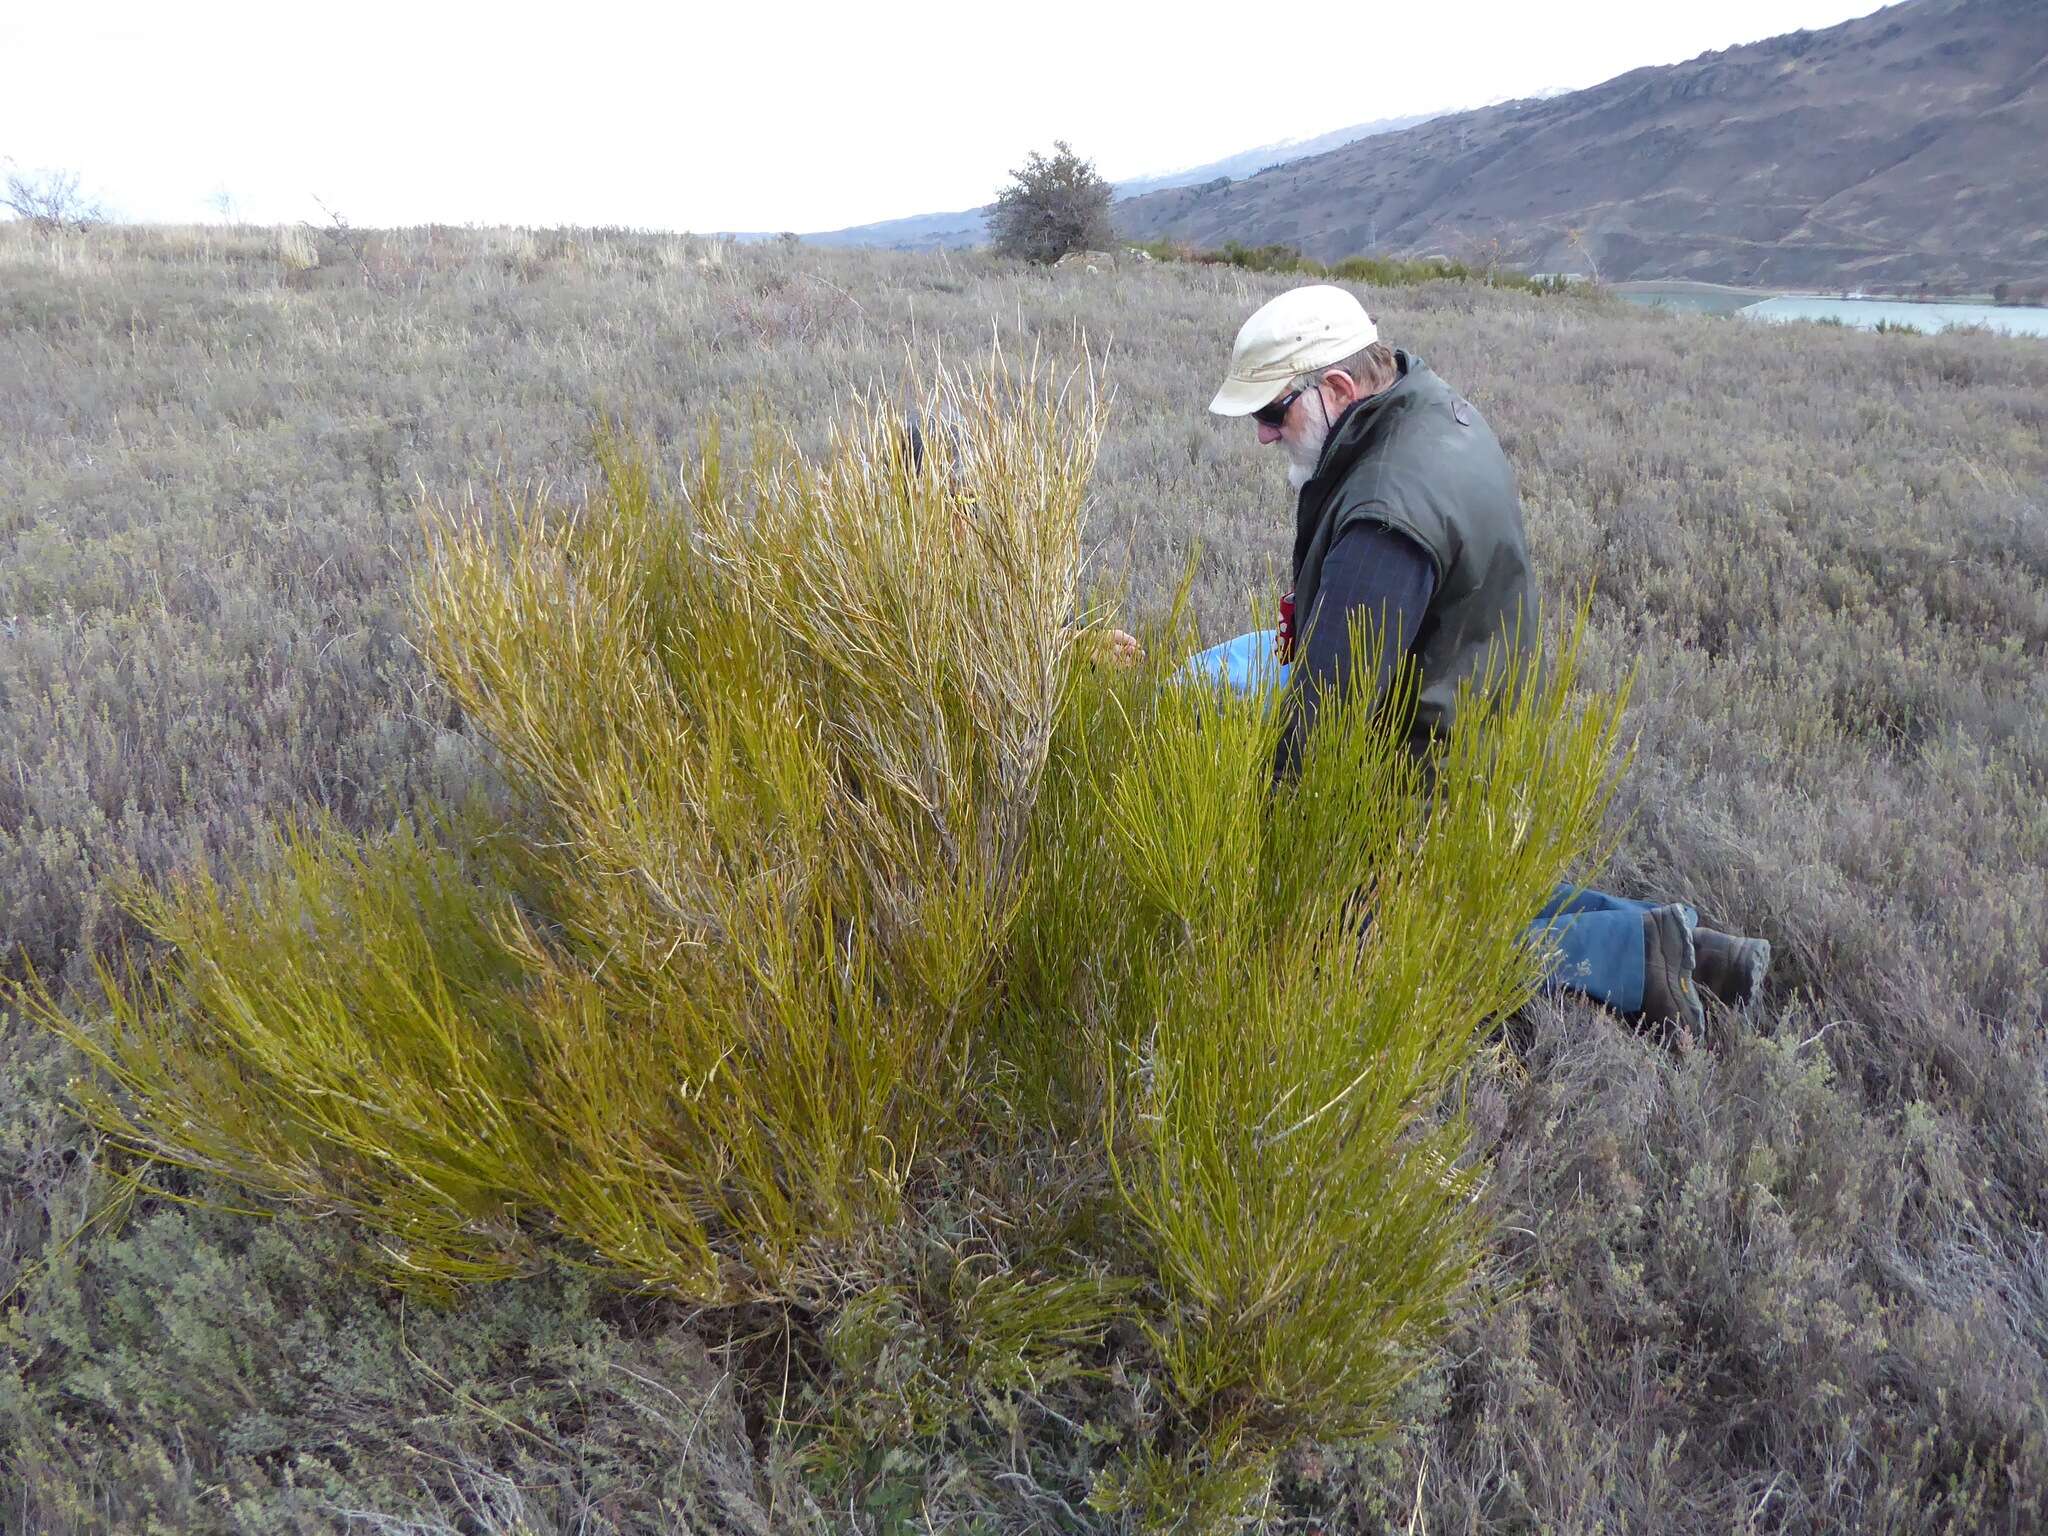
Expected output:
{"points": [[1908, 147], [969, 226]]}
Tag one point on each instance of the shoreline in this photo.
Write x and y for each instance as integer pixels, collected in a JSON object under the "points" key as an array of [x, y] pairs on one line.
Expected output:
{"points": [[1699, 288]]}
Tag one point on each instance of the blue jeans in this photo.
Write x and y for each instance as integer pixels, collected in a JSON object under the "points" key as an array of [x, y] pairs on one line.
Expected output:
{"points": [[1600, 944], [1599, 937]]}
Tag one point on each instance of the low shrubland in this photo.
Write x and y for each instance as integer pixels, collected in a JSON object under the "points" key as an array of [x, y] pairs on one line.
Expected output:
{"points": [[1376, 271], [1787, 1281], [842, 890]]}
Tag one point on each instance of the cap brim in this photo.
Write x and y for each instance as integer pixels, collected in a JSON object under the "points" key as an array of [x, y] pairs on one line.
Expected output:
{"points": [[1240, 397]]}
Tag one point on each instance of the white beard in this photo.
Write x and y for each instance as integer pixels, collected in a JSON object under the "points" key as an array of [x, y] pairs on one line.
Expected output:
{"points": [[1302, 456]]}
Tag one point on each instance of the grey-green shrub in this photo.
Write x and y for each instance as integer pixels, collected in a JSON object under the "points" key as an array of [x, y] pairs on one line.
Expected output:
{"points": [[1053, 204]]}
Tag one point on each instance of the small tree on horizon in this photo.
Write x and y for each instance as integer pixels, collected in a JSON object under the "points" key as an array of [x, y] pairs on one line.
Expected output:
{"points": [[1053, 205], [48, 199]]}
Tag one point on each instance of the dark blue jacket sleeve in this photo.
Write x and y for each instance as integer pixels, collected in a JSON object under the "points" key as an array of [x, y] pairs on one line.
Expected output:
{"points": [[1372, 568]]}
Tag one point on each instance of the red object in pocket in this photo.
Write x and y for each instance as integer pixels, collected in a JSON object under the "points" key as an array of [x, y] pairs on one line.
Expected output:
{"points": [[1283, 643]]}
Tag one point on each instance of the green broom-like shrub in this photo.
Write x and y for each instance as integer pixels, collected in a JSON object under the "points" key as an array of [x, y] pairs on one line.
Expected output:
{"points": [[842, 889], [1289, 990]]}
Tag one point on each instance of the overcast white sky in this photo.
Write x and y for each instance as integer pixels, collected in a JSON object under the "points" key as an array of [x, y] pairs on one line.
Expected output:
{"points": [[738, 114]]}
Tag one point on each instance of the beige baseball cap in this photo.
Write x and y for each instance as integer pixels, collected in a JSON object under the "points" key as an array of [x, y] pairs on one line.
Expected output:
{"points": [[1302, 330]]}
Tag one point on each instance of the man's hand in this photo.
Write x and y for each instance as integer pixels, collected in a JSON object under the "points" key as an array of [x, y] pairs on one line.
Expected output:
{"points": [[1119, 647]]}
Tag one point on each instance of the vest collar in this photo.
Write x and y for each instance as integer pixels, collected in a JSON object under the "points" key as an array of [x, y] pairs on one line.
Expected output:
{"points": [[1349, 434]]}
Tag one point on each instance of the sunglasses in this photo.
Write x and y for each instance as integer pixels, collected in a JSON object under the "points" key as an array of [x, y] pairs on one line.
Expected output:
{"points": [[1275, 413]]}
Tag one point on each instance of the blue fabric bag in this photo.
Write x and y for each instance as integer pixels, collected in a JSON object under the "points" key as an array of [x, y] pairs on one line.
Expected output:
{"points": [[1242, 664]]}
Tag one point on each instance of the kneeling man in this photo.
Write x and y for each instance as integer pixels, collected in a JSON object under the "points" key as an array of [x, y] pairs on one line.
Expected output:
{"points": [[1406, 507]]}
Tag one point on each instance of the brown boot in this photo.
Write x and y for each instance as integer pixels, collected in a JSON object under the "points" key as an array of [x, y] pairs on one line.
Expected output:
{"points": [[1668, 957], [1728, 965]]}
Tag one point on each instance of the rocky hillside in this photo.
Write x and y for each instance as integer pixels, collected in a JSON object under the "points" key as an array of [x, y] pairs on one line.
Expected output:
{"points": [[1906, 148]]}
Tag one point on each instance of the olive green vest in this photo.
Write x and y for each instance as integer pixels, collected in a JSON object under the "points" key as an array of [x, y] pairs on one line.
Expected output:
{"points": [[1419, 458]]}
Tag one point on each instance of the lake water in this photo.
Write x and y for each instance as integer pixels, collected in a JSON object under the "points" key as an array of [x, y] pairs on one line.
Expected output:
{"points": [[1866, 314], [2017, 320]]}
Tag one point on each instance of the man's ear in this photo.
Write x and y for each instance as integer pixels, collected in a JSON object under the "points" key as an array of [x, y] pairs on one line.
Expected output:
{"points": [[1343, 388]]}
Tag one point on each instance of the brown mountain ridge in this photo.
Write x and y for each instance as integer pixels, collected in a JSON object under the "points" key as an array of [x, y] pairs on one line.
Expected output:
{"points": [[1908, 148]]}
